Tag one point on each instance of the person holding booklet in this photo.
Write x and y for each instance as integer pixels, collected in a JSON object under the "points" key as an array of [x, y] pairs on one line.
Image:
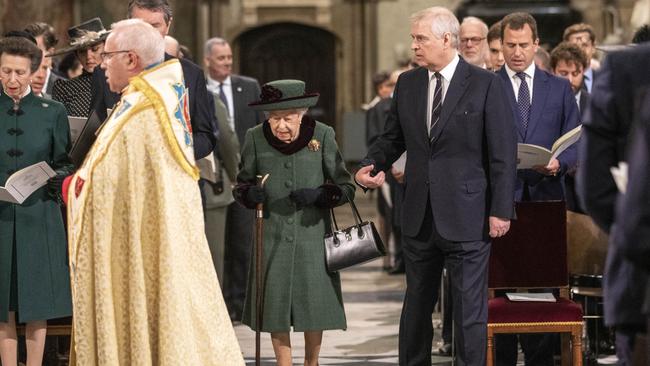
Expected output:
{"points": [[34, 275], [544, 110]]}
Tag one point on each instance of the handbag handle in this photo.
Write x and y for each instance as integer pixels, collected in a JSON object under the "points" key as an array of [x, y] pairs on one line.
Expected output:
{"points": [[355, 211]]}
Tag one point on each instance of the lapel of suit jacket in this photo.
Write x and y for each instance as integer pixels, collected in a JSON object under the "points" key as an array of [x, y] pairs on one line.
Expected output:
{"points": [[421, 111], [236, 85], [540, 92], [512, 101], [457, 87]]}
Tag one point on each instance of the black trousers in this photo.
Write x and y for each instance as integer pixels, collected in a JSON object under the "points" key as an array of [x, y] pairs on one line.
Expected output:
{"points": [[467, 262], [237, 257]]}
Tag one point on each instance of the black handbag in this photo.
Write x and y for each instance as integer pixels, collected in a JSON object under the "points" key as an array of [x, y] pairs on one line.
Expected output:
{"points": [[353, 245]]}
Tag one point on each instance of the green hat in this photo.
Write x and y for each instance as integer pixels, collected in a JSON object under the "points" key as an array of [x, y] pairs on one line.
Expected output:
{"points": [[284, 94]]}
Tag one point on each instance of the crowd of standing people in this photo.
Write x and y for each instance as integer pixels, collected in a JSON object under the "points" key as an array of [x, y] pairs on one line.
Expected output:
{"points": [[160, 214]]}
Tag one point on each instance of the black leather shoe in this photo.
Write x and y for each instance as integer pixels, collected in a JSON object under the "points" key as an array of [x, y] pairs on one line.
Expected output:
{"points": [[445, 350], [396, 270]]}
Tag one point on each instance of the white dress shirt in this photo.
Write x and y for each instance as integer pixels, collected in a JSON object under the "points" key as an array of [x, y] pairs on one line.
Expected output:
{"points": [[213, 87], [516, 81], [447, 73]]}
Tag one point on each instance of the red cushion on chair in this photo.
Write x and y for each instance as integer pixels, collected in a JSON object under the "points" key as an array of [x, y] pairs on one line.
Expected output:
{"points": [[502, 310]]}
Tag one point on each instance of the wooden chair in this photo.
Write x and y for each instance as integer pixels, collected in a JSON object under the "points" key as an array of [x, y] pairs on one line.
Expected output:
{"points": [[534, 255]]}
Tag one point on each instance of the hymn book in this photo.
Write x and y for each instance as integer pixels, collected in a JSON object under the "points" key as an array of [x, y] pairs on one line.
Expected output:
{"points": [[76, 126], [20, 185], [529, 155]]}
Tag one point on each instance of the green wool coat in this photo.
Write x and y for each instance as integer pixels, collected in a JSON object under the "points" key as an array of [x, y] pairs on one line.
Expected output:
{"points": [[299, 291], [40, 133]]}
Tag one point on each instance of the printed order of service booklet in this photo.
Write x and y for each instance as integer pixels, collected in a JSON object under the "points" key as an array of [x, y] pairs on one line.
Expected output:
{"points": [[26, 181], [529, 155]]}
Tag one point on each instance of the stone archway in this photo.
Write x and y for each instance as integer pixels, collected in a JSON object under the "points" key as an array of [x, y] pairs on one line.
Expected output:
{"points": [[293, 51]]}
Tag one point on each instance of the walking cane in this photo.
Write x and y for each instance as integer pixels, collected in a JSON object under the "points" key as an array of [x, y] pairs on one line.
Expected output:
{"points": [[259, 268]]}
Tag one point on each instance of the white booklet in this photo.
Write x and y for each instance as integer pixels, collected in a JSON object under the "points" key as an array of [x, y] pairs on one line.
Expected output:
{"points": [[26, 181], [529, 155], [531, 296], [76, 125]]}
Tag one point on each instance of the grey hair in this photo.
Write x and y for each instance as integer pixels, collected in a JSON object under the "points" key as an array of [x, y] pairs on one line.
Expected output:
{"points": [[141, 38], [442, 21], [475, 20], [207, 49]]}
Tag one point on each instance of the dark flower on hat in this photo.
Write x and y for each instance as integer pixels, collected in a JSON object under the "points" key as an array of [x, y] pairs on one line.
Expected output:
{"points": [[270, 94]]}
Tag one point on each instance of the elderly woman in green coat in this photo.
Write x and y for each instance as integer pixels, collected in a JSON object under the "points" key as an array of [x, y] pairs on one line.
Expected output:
{"points": [[34, 276], [307, 177]]}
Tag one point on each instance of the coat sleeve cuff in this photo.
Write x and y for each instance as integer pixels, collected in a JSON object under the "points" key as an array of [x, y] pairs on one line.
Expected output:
{"points": [[64, 188], [240, 193]]}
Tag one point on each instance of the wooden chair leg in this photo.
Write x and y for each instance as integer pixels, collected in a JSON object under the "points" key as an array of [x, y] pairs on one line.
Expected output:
{"points": [[566, 349], [576, 344], [489, 357]]}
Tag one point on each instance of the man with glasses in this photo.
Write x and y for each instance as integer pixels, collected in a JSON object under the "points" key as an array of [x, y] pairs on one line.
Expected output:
{"points": [[144, 288], [473, 44], [158, 14]]}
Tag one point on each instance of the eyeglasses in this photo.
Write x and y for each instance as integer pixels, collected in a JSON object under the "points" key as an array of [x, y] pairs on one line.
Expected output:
{"points": [[108, 55], [474, 40]]}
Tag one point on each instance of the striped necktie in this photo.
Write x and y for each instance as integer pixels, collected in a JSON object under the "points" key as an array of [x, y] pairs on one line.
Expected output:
{"points": [[436, 105]]}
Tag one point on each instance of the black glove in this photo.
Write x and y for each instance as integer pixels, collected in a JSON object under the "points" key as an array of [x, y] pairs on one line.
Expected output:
{"points": [[306, 196], [55, 187], [255, 194]]}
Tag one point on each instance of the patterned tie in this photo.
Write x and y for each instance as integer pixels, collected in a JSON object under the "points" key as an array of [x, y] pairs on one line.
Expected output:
{"points": [[222, 96], [436, 105], [523, 100]]}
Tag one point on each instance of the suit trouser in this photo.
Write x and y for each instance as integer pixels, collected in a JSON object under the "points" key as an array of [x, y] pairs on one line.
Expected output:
{"points": [[237, 256], [467, 262]]}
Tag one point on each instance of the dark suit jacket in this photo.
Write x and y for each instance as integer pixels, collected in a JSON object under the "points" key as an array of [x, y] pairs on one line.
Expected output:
{"points": [[634, 208], [202, 117], [468, 173], [245, 90], [376, 120], [51, 80], [554, 112], [615, 103], [573, 202]]}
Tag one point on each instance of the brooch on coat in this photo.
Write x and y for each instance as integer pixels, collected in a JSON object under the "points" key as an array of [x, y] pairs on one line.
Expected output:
{"points": [[314, 145]]}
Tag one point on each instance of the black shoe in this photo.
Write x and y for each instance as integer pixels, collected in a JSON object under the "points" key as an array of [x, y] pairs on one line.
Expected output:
{"points": [[445, 349], [396, 270]]}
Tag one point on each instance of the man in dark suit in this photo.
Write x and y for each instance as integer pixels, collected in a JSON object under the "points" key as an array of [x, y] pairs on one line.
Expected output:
{"points": [[453, 120], [634, 208], [568, 61], [544, 108], [204, 125], [235, 92], [615, 104]]}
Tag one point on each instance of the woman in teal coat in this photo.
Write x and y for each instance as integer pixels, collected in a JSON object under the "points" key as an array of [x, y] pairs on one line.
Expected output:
{"points": [[34, 276], [307, 177]]}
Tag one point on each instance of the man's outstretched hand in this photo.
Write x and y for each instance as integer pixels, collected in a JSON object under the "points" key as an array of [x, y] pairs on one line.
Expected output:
{"points": [[364, 178]]}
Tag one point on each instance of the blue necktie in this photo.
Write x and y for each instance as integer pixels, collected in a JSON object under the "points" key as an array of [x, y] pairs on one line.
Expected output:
{"points": [[523, 100], [436, 105], [222, 96]]}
